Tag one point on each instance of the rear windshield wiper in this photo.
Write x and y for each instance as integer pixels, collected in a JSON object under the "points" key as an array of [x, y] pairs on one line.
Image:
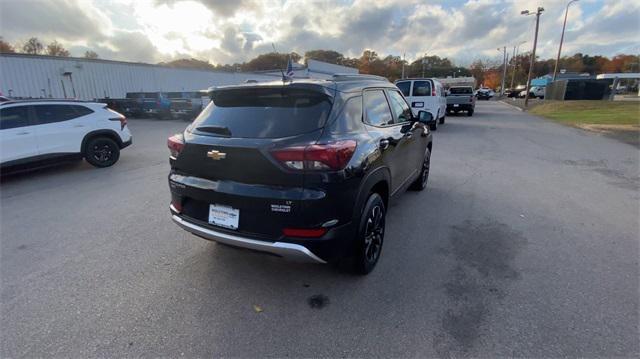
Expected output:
{"points": [[218, 130]]}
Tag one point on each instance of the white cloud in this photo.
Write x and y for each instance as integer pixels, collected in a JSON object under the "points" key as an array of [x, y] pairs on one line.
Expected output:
{"points": [[235, 31]]}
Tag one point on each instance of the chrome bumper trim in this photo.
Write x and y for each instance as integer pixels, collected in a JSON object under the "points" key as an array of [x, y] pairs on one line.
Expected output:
{"points": [[287, 250]]}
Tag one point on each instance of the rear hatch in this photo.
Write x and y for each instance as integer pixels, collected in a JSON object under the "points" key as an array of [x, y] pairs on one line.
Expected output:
{"points": [[227, 158]]}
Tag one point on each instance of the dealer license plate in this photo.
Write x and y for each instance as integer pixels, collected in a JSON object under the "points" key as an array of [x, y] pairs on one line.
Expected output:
{"points": [[456, 105], [224, 216]]}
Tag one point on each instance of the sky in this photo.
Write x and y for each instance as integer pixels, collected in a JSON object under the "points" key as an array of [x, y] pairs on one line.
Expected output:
{"points": [[235, 31]]}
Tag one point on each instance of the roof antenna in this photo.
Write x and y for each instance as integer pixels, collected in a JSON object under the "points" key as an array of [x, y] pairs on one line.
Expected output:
{"points": [[284, 78]]}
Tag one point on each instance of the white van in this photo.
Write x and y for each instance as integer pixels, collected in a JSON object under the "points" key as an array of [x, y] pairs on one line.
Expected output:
{"points": [[425, 94]]}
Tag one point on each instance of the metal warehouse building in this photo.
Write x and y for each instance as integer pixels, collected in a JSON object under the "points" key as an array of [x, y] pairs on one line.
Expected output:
{"points": [[68, 77]]}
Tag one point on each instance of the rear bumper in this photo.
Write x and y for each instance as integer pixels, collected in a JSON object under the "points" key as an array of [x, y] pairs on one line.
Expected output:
{"points": [[461, 106], [126, 143], [281, 249]]}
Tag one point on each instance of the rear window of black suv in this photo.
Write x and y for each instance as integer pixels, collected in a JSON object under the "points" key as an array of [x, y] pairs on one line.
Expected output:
{"points": [[263, 113]]}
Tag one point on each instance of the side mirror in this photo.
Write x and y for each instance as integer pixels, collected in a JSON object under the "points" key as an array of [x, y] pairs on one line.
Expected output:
{"points": [[425, 117]]}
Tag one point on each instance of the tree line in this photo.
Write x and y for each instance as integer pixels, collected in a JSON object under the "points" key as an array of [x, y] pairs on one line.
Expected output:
{"points": [[33, 46], [487, 72]]}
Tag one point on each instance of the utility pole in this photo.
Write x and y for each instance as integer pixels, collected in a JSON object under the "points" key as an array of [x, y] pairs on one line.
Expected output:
{"points": [[424, 62], [566, 12], [504, 69], [404, 55], [515, 62], [533, 52]]}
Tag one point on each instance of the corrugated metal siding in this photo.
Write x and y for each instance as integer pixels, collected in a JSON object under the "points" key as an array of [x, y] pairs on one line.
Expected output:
{"points": [[42, 76], [28, 76]]}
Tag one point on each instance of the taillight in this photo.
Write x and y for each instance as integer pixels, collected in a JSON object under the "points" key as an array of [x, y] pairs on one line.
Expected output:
{"points": [[304, 232], [332, 156], [176, 205], [175, 144], [122, 119], [433, 91]]}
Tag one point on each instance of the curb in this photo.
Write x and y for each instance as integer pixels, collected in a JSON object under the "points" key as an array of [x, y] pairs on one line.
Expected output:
{"points": [[510, 105]]}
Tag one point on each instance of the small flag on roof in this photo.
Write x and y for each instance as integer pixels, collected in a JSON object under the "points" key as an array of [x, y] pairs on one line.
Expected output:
{"points": [[290, 72]]}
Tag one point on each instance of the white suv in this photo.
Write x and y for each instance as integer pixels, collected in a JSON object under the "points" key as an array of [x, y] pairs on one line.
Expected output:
{"points": [[36, 132]]}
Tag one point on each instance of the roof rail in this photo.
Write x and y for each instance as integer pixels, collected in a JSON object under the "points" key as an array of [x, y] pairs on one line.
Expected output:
{"points": [[354, 77]]}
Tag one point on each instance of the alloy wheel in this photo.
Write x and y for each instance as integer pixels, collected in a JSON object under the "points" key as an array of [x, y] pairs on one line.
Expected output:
{"points": [[374, 233]]}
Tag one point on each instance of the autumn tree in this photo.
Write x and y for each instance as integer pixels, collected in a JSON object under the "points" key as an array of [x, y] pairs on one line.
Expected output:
{"points": [[365, 62], [32, 46], [329, 56], [189, 64], [56, 49], [492, 79], [90, 54], [270, 61], [5, 47]]}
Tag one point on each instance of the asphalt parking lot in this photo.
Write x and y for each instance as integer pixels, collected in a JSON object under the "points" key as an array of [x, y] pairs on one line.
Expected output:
{"points": [[524, 244]]}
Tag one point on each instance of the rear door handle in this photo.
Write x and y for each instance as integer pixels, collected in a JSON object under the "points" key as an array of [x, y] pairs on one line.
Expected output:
{"points": [[384, 144]]}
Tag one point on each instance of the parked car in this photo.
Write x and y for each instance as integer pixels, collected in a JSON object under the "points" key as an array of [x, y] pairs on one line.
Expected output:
{"points": [[484, 94], [461, 98], [303, 169], [185, 104], [534, 91], [41, 132], [425, 94], [126, 106], [154, 104], [537, 91], [514, 92]]}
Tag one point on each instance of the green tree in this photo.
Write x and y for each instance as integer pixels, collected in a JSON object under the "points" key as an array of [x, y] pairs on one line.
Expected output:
{"points": [[90, 54]]}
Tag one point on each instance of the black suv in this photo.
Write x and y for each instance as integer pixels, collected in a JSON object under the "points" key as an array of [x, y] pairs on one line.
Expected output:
{"points": [[301, 168]]}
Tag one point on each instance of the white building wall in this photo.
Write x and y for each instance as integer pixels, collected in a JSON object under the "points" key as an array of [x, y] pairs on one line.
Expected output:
{"points": [[43, 76]]}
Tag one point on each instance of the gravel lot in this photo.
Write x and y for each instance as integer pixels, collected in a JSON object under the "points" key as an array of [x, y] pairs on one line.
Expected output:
{"points": [[525, 244]]}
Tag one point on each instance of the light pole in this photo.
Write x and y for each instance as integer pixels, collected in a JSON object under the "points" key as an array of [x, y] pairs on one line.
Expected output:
{"points": [[424, 62], [504, 68], [533, 52], [515, 62], [566, 12]]}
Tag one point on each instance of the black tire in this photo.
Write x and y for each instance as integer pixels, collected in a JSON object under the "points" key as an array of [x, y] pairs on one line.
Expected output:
{"points": [[470, 113], [421, 182], [433, 126], [370, 235], [102, 152], [442, 120]]}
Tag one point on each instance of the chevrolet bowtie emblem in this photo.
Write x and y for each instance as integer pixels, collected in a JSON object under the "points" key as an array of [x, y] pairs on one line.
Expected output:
{"points": [[216, 155]]}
